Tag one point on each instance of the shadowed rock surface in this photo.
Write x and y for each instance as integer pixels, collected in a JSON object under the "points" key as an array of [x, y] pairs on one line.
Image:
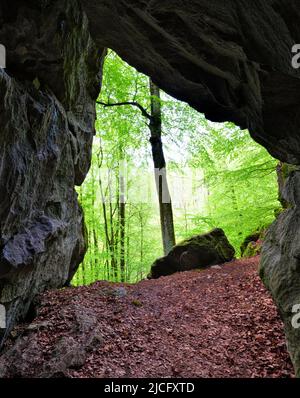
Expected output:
{"points": [[230, 59], [280, 265], [47, 117], [200, 251]]}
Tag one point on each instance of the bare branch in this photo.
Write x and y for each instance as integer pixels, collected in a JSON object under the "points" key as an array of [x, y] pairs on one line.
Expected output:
{"points": [[131, 103]]}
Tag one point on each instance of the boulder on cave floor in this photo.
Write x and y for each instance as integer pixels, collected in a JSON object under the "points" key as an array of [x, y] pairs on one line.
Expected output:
{"points": [[252, 244], [200, 251]]}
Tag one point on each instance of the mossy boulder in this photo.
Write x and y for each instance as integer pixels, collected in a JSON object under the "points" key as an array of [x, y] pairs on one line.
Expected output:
{"points": [[252, 244], [197, 252], [253, 249]]}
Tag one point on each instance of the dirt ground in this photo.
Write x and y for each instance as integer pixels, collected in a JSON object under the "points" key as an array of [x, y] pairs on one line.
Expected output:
{"points": [[220, 322]]}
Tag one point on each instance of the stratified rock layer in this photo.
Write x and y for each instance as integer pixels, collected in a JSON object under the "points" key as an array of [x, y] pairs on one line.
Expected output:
{"points": [[229, 59], [47, 116], [280, 264]]}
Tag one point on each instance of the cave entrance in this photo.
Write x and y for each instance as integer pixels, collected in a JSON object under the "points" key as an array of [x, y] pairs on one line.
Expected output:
{"points": [[218, 178]]}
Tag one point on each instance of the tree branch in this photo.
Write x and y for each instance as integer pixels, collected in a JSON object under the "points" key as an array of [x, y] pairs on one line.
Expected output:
{"points": [[131, 103]]}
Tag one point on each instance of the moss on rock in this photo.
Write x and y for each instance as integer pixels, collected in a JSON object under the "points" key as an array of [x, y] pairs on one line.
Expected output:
{"points": [[200, 251]]}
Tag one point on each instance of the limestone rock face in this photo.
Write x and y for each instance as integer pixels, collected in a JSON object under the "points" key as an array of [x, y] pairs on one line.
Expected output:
{"points": [[47, 115], [229, 59], [280, 264], [200, 251]]}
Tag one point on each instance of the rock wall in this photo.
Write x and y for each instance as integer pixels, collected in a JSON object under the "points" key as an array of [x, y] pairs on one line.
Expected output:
{"points": [[280, 264], [47, 115], [229, 59]]}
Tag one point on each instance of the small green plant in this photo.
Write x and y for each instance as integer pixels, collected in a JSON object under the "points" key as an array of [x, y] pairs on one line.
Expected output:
{"points": [[136, 303]]}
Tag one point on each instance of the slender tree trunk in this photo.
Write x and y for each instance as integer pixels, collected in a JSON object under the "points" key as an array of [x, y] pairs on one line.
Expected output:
{"points": [[89, 266], [165, 204], [185, 218], [105, 218], [114, 265], [104, 213], [141, 243], [122, 223], [127, 261], [236, 208], [96, 251], [93, 237]]}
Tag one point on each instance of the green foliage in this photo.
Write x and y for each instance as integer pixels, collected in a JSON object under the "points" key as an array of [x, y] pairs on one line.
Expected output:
{"points": [[219, 177], [240, 178], [137, 303]]}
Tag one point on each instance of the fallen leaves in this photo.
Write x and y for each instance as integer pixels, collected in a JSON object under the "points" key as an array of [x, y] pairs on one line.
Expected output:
{"points": [[217, 323]]}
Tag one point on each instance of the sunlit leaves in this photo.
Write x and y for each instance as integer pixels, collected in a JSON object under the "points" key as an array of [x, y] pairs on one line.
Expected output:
{"points": [[233, 179]]}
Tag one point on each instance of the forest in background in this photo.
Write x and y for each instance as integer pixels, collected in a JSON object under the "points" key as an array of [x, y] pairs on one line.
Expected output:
{"points": [[218, 177]]}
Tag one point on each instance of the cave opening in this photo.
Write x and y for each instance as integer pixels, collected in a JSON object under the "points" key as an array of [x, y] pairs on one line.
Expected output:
{"points": [[218, 177], [233, 61]]}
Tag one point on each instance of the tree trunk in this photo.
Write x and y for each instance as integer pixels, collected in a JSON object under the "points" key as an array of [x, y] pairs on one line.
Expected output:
{"points": [[141, 243], [165, 204], [236, 208], [105, 218], [122, 222]]}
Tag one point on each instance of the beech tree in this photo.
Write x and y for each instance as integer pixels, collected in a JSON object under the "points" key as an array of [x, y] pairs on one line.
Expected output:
{"points": [[164, 197], [233, 182], [154, 122]]}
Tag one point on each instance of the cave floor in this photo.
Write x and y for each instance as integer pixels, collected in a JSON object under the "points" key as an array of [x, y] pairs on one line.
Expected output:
{"points": [[219, 322]]}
